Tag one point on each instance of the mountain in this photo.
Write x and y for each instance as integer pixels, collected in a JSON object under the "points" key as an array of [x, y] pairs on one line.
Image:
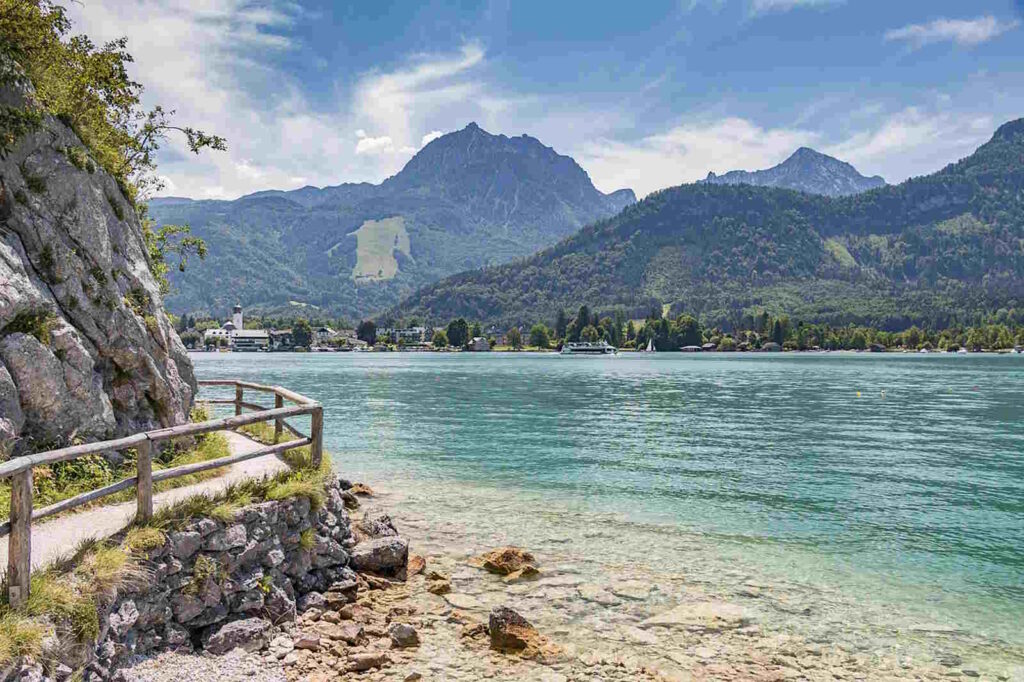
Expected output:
{"points": [[467, 199], [931, 249], [806, 171]]}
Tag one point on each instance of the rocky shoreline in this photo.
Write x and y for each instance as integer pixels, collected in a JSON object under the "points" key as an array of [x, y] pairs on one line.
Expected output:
{"points": [[457, 617]]}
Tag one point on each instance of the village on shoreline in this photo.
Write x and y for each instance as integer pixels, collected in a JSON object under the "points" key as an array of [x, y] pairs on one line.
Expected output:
{"points": [[658, 334]]}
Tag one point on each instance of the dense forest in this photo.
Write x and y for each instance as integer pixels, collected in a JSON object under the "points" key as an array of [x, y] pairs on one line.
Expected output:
{"points": [[941, 250]]}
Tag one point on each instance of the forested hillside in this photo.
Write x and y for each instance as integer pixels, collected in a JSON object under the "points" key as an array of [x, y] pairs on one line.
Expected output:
{"points": [[930, 250], [465, 200]]}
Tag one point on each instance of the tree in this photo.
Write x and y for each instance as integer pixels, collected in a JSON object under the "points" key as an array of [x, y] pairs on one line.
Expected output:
{"points": [[475, 330], [561, 324], [440, 339], [514, 338], [367, 331], [539, 336], [590, 334], [458, 332], [630, 331], [302, 334], [688, 331]]}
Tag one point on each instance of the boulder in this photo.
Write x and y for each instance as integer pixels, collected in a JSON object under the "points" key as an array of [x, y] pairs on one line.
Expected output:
{"points": [[250, 634], [377, 523], [386, 555]]}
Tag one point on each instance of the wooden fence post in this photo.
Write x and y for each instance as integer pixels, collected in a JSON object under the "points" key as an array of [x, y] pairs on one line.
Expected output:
{"points": [[19, 544], [238, 400], [279, 422], [144, 482], [316, 434]]}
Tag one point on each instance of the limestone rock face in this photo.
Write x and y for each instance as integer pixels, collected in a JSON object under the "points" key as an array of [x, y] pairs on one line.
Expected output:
{"points": [[86, 350]]}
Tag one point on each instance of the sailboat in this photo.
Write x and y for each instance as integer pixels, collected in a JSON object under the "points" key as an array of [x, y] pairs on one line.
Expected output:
{"points": [[650, 346]]}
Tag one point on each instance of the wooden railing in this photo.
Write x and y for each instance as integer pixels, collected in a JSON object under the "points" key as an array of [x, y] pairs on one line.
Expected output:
{"points": [[19, 470]]}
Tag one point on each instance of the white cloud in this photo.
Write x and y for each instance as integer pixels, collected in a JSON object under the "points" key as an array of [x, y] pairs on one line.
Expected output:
{"points": [[687, 152], [215, 63], [913, 141], [763, 6], [965, 32], [430, 137], [374, 145]]}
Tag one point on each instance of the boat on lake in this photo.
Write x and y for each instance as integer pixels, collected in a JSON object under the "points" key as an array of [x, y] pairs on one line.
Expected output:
{"points": [[589, 348]]}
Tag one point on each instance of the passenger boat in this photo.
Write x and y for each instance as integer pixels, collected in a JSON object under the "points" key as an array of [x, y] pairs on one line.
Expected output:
{"points": [[588, 348]]}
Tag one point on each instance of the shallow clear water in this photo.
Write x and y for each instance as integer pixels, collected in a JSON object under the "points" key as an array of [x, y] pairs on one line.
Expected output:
{"points": [[889, 488]]}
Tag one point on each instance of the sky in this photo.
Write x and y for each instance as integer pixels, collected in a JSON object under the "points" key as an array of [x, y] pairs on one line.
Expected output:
{"points": [[644, 95]]}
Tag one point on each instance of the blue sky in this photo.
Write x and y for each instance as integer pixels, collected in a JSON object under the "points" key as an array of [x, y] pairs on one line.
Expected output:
{"points": [[643, 94]]}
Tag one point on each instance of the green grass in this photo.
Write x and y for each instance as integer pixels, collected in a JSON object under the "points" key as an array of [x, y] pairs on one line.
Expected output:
{"points": [[142, 539], [68, 592], [296, 482]]}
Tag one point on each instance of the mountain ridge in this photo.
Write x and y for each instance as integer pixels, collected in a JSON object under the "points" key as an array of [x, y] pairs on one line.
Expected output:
{"points": [[805, 170], [467, 199], [932, 248]]}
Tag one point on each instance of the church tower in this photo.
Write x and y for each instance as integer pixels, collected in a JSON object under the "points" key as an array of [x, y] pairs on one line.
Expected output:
{"points": [[236, 317]]}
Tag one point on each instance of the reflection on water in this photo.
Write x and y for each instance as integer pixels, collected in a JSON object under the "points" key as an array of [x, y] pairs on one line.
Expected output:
{"points": [[889, 487]]}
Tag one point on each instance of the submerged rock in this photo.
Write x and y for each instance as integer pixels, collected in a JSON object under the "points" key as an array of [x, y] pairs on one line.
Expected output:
{"points": [[509, 630], [505, 560]]}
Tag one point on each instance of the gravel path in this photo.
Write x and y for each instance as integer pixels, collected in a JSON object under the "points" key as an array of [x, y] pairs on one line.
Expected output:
{"points": [[58, 537], [173, 667]]}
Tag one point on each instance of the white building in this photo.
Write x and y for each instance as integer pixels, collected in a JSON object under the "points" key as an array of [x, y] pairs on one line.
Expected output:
{"points": [[251, 340], [236, 317]]}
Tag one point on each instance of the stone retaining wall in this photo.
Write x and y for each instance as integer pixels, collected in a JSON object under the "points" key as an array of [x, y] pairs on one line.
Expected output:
{"points": [[211, 572]]}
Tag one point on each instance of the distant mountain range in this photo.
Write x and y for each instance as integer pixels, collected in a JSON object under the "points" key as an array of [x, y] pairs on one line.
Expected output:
{"points": [[930, 250], [806, 171], [467, 199]]}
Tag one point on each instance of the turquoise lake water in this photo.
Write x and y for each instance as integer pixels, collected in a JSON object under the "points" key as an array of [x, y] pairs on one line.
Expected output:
{"points": [[897, 480]]}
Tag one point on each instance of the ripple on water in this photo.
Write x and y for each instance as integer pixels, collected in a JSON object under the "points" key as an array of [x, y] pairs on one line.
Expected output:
{"points": [[883, 493]]}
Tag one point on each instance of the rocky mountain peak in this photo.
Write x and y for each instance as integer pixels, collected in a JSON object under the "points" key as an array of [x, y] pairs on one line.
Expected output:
{"points": [[806, 170]]}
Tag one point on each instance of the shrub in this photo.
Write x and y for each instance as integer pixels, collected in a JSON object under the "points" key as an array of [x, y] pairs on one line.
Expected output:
{"points": [[137, 300], [36, 323], [35, 183], [15, 124]]}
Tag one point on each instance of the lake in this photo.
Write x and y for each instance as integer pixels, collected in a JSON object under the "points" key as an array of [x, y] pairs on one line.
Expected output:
{"points": [[879, 496]]}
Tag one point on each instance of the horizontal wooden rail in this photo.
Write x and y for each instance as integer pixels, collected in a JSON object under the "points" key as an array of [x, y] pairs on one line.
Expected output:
{"points": [[19, 470], [186, 469], [73, 502]]}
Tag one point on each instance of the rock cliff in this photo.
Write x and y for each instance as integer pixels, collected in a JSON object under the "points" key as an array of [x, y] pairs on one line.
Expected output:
{"points": [[86, 350]]}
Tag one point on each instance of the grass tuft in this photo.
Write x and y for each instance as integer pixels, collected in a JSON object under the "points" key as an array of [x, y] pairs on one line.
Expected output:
{"points": [[298, 488], [141, 539], [307, 540]]}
